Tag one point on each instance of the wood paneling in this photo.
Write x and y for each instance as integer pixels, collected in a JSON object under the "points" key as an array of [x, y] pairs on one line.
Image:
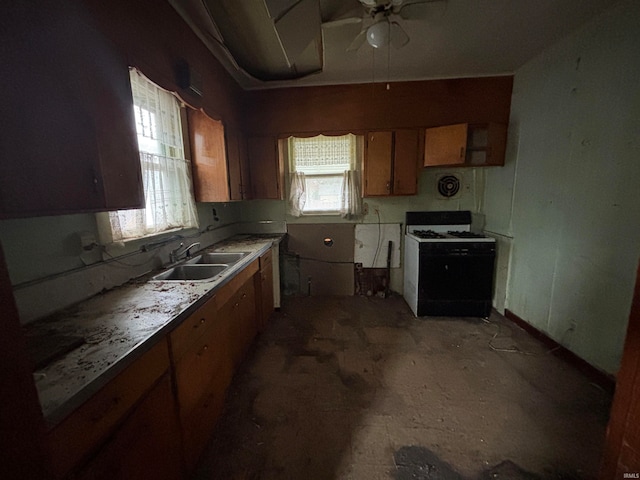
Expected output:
{"points": [[362, 107]]}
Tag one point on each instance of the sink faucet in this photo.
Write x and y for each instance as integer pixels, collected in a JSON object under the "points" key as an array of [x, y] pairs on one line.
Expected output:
{"points": [[176, 254]]}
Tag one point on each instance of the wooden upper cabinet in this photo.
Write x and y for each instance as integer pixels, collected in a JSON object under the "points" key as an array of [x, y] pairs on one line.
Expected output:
{"points": [[238, 165], [445, 145], [266, 164], [405, 162], [377, 164], [67, 132], [391, 163], [209, 162], [465, 145]]}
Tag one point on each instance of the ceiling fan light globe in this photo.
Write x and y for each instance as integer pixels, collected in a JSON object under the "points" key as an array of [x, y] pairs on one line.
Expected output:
{"points": [[378, 34]]}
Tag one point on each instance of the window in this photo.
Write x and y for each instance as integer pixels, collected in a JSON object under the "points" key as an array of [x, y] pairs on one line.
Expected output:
{"points": [[169, 202], [324, 176]]}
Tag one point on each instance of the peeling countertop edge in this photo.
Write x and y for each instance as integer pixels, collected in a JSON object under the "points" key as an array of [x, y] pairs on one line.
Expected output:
{"points": [[76, 400]]}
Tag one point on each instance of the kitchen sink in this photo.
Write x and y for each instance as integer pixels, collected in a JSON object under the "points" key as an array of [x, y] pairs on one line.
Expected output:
{"points": [[228, 258], [191, 272]]}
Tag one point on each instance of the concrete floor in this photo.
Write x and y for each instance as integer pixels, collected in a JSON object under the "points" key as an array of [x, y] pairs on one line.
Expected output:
{"points": [[357, 388]]}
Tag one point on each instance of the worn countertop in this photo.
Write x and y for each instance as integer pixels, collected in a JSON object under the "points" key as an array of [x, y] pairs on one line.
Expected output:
{"points": [[119, 325]]}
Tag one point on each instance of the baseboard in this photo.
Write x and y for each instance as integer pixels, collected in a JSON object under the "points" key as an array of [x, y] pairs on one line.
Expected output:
{"points": [[604, 380]]}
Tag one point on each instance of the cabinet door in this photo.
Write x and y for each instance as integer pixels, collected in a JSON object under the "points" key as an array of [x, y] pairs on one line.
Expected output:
{"points": [[145, 446], [242, 309], [67, 133], [93, 421], [239, 178], [496, 143], [405, 162], [445, 145], [377, 164], [266, 168], [207, 357], [210, 175]]}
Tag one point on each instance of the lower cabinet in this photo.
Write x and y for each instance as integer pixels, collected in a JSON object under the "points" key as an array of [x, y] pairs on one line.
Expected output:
{"points": [[147, 445], [77, 438], [206, 350], [154, 419]]}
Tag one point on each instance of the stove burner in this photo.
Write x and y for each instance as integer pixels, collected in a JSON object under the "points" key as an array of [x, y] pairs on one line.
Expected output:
{"points": [[466, 235], [427, 234]]}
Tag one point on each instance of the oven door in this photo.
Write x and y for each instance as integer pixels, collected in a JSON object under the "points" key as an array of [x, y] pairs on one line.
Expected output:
{"points": [[456, 279]]}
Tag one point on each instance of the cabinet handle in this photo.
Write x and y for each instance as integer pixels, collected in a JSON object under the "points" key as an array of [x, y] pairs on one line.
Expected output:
{"points": [[388, 186], [244, 295], [202, 320], [202, 350], [236, 305]]}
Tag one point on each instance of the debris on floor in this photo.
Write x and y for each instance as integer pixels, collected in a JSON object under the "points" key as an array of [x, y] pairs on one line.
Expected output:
{"points": [[357, 388]]}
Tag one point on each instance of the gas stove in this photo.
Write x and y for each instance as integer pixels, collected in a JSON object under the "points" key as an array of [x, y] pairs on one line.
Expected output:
{"points": [[448, 235], [448, 269]]}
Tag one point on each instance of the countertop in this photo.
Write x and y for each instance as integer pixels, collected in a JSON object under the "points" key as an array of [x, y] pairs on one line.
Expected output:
{"points": [[121, 324]]}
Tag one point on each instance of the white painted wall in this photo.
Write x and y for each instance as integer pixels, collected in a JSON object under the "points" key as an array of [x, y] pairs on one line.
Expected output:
{"points": [[566, 206]]}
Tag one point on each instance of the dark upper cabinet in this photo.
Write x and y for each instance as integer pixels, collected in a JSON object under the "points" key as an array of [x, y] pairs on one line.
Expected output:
{"points": [[67, 133], [267, 168], [238, 166]]}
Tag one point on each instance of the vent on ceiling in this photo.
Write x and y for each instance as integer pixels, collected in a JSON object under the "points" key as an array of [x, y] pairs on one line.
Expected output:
{"points": [[448, 185]]}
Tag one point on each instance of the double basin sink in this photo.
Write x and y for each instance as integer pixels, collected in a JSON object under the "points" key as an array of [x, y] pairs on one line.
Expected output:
{"points": [[203, 267]]}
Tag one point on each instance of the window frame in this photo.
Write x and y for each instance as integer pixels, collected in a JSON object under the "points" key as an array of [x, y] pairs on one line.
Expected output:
{"points": [[355, 164], [105, 232]]}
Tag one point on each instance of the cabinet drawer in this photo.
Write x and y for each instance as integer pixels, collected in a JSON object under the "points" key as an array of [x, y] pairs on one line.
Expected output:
{"points": [[71, 440], [226, 292], [189, 331]]}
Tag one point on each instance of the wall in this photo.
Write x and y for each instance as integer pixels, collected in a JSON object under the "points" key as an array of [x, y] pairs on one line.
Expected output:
{"points": [[566, 206], [391, 209]]}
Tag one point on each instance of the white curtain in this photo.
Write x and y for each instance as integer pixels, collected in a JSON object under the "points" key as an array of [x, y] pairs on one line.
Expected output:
{"points": [[168, 199], [350, 203], [166, 174], [297, 194]]}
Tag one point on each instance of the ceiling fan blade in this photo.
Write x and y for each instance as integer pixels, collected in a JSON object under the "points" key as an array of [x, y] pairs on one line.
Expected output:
{"points": [[342, 21], [358, 41], [398, 36]]}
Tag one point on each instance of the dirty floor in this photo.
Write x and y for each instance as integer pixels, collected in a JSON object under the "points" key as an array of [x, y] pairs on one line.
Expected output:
{"points": [[357, 388]]}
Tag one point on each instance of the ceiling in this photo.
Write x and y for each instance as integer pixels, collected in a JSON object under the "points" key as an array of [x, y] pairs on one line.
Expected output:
{"points": [[284, 42]]}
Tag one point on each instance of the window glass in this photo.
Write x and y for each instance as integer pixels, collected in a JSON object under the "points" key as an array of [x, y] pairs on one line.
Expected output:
{"points": [[323, 162]]}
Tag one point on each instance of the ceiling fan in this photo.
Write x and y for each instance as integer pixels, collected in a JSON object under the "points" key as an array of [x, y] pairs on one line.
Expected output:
{"points": [[379, 26]]}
